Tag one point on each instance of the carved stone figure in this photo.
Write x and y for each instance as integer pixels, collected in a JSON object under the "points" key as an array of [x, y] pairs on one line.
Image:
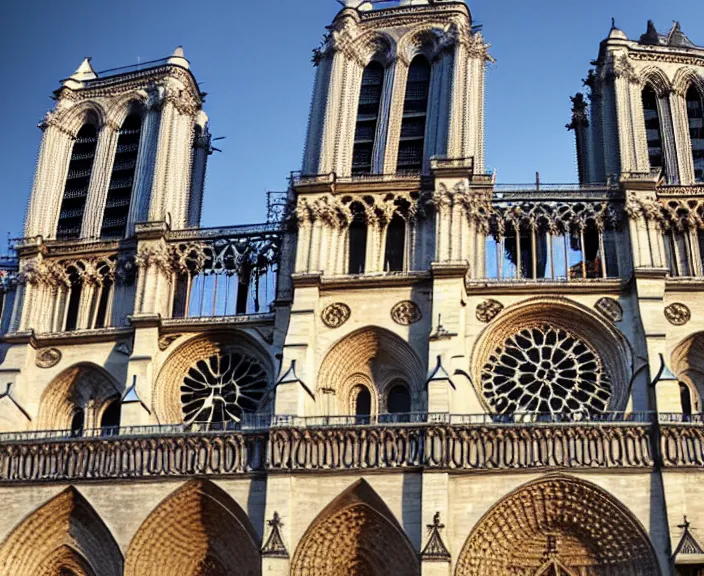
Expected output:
{"points": [[678, 314], [335, 315], [406, 313], [48, 357], [488, 310]]}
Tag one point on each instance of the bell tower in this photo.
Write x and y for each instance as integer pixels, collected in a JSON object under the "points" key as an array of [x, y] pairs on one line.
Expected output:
{"points": [[396, 87], [125, 146]]}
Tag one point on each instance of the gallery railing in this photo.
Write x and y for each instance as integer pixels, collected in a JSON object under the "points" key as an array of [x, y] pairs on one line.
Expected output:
{"points": [[442, 442], [225, 271]]}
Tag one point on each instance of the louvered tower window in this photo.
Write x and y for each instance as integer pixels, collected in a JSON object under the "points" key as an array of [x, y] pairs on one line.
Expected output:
{"points": [[367, 118], [76, 190], [117, 206], [652, 129], [695, 115], [415, 109]]}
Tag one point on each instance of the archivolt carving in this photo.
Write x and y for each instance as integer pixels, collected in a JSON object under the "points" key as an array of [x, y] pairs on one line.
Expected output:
{"points": [[558, 519], [197, 531], [588, 348], [370, 355], [208, 351], [94, 270], [65, 533], [81, 386], [686, 77], [355, 534], [655, 77]]}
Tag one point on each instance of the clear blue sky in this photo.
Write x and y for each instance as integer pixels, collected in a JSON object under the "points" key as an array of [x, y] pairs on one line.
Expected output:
{"points": [[253, 59]]}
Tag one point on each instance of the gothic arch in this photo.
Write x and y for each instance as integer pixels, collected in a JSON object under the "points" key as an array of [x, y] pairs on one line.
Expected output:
{"points": [[563, 519], [86, 112], [199, 530], [421, 40], [85, 386], [123, 106], [590, 340], [355, 534], [378, 356], [688, 364], [167, 399], [64, 533], [657, 79], [375, 45], [686, 77]]}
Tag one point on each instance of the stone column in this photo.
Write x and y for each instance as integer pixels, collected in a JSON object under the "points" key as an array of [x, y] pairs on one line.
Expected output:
{"points": [[473, 136], [669, 144], [201, 150], [382, 126], [352, 82], [157, 202], [682, 138], [100, 180], [318, 114], [305, 229], [146, 161], [629, 161], [396, 116], [332, 113]]}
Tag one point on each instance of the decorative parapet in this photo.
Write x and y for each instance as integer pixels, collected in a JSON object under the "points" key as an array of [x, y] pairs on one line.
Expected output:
{"points": [[682, 445], [439, 447]]}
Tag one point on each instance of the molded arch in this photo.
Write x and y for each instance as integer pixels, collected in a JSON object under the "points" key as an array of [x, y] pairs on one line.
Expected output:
{"points": [[166, 392], [422, 40], [86, 112], [609, 343], [656, 78], [197, 529], [74, 387], [120, 108], [355, 534], [64, 532], [378, 354], [376, 45], [580, 523], [686, 77], [687, 361]]}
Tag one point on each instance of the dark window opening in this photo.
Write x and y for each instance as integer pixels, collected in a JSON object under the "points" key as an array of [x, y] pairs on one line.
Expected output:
{"points": [[686, 399], [695, 114], [399, 400], [77, 423], [524, 243], [101, 319], [415, 109], [117, 205], [395, 244], [652, 129], [358, 241], [74, 300], [80, 169], [110, 420], [362, 404], [367, 118]]}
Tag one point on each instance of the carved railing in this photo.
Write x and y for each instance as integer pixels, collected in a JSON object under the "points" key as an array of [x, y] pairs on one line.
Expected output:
{"points": [[225, 271], [459, 447], [682, 444]]}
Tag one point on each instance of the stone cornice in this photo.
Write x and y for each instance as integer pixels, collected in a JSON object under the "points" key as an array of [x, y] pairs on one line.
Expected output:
{"points": [[334, 283], [612, 286]]}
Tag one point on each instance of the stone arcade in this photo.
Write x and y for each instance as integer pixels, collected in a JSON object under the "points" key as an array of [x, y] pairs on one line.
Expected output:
{"points": [[407, 370]]}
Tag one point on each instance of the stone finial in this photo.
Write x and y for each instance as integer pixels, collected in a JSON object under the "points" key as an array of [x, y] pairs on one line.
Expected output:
{"points": [[178, 58], [83, 73]]}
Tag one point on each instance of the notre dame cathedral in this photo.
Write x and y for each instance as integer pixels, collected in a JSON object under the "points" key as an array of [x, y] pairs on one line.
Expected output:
{"points": [[408, 370]]}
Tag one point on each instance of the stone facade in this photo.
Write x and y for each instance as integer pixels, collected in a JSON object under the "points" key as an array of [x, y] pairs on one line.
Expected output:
{"points": [[411, 370]]}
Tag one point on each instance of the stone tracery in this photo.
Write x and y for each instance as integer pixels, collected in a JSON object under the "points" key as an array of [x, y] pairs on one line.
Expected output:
{"points": [[563, 520]]}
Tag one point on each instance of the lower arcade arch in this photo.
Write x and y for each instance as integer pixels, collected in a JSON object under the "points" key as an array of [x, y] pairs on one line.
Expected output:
{"points": [[197, 531], [688, 365], [65, 537], [558, 525], [356, 535]]}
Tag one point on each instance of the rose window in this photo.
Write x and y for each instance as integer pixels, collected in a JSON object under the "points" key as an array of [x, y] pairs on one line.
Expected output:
{"points": [[548, 370], [221, 388]]}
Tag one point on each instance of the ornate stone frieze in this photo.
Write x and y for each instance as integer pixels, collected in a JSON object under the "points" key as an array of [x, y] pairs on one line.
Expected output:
{"points": [[678, 314], [93, 270], [610, 308], [335, 315], [48, 357], [488, 310], [155, 255], [292, 449], [406, 313]]}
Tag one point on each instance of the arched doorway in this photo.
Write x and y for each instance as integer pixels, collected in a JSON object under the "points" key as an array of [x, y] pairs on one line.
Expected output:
{"points": [[197, 531], [356, 535], [65, 537], [558, 526]]}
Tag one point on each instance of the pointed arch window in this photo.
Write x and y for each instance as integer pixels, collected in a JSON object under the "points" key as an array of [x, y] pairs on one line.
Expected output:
{"points": [[110, 419], [78, 423], [357, 250], [117, 205], [415, 110], [653, 129], [695, 115], [367, 118], [395, 245], [74, 298], [80, 169], [362, 401]]}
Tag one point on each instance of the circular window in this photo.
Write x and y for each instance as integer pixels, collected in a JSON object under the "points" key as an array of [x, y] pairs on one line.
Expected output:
{"points": [[222, 388], [548, 370]]}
